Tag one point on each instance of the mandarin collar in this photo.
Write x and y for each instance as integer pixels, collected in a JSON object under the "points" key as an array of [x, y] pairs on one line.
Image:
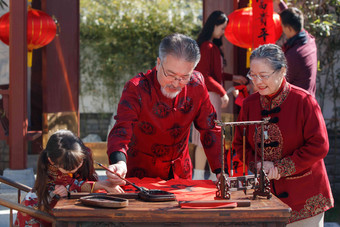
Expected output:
{"points": [[272, 101]]}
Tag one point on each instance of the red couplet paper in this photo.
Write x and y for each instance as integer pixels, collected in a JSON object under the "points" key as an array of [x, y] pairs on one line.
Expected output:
{"points": [[263, 23], [185, 190], [193, 194], [207, 204]]}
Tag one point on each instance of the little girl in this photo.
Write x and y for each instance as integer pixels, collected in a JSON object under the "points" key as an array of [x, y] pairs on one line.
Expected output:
{"points": [[64, 166]]}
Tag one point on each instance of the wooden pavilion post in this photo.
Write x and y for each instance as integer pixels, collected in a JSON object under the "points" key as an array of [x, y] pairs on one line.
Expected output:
{"points": [[60, 70], [18, 85]]}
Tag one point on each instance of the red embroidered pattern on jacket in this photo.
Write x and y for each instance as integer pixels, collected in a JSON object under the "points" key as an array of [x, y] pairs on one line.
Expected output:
{"points": [[268, 104], [313, 206], [286, 167], [273, 134]]}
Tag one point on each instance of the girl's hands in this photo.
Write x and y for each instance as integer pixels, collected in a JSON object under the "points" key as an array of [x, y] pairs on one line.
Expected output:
{"points": [[108, 186], [60, 190]]}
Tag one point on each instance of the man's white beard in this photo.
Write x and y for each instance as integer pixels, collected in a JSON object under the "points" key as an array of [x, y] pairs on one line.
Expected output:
{"points": [[169, 95]]}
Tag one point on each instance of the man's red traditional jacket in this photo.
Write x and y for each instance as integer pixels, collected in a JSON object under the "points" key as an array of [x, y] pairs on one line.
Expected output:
{"points": [[296, 141], [153, 130]]}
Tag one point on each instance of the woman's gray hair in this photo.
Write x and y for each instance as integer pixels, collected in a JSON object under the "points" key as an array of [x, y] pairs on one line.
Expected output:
{"points": [[273, 53], [180, 46]]}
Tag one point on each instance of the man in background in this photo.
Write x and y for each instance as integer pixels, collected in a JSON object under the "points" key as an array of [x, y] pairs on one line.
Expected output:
{"points": [[300, 49]]}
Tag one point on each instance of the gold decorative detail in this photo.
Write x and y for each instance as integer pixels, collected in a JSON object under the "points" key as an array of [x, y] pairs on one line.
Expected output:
{"points": [[314, 206], [269, 104], [297, 177], [271, 153], [286, 167]]}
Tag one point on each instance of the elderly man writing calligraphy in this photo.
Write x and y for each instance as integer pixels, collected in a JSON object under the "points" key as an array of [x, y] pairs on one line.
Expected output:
{"points": [[151, 133]]}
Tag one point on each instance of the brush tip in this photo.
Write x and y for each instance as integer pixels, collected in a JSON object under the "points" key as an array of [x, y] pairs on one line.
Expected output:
{"points": [[97, 163]]}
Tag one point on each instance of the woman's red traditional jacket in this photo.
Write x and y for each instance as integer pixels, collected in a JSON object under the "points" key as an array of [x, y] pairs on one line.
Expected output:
{"points": [[153, 130], [296, 141], [211, 67]]}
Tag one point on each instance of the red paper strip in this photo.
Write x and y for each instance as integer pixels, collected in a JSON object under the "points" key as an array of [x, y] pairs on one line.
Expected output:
{"points": [[263, 23], [207, 205]]}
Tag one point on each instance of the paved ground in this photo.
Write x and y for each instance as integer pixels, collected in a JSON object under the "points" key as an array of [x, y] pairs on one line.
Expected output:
{"points": [[4, 216]]}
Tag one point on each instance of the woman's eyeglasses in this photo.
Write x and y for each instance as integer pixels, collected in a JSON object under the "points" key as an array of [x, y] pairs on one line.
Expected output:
{"points": [[260, 77], [182, 80]]}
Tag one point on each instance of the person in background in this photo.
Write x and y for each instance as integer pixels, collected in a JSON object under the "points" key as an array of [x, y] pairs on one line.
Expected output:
{"points": [[64, 166], [295, 139], [211, 66], [151, 134], [300, 49]]}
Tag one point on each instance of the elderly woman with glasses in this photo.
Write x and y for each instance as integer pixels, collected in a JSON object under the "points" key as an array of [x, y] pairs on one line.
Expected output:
{"points": [[295, 139]]}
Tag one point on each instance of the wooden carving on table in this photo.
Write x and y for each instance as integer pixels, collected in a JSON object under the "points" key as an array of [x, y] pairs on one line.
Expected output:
{"points": [[260, 184]]}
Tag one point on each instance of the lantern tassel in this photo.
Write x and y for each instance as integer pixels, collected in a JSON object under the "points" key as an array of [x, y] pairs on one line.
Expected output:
{"points": [[29, 58], [248, 57]]}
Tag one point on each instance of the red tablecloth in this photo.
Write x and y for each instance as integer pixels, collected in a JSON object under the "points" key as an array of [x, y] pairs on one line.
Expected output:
{"points": [[185, 190]]}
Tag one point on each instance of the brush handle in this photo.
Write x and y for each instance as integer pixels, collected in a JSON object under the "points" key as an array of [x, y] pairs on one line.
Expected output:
{"points": [[127, 181]]}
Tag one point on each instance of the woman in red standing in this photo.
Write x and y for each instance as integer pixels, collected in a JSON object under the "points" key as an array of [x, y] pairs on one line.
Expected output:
{"points": [[211, 66], [295, 138]]}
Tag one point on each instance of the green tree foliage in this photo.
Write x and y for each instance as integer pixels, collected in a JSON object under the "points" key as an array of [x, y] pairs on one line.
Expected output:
{"points": [[120, 38]]}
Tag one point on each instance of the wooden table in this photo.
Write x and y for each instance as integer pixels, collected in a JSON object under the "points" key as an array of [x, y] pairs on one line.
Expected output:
{"points": [[262, 212]]}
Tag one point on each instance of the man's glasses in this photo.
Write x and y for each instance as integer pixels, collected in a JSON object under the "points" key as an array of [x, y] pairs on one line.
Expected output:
{"points": [[182, 80], [260, 77]]}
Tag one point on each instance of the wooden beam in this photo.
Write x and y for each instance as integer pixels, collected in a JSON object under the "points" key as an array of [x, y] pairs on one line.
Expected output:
{"points": [[18, 84], [60, 63]]}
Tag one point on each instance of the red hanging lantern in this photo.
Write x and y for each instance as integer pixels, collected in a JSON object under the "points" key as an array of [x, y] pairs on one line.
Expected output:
{"points": [[41, 30], [239, 30]]}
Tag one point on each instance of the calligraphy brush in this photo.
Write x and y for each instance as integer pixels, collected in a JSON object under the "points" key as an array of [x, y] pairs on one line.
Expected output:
{"points": [[244, 161], [124, 179], [231, 151], [244, 151]]}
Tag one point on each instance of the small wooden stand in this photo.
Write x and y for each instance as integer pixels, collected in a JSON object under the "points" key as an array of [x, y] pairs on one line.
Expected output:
{"points": [[261, 184]]}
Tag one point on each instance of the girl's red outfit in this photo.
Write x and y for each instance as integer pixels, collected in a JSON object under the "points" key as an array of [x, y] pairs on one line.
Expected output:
{"points": [[72, 183], [296, 141], [211, 67]]}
